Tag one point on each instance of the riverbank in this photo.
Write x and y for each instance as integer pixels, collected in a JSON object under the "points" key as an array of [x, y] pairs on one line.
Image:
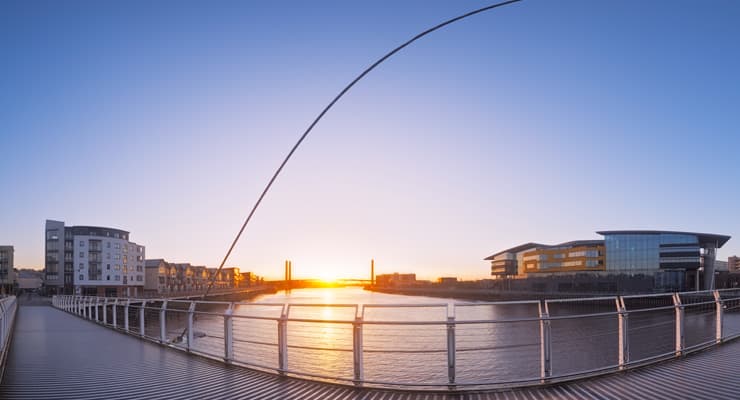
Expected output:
{"points": [[478, 294]]}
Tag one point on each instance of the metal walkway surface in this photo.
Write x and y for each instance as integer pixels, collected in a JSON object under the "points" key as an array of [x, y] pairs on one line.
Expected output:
{"points": [[55, 355]]}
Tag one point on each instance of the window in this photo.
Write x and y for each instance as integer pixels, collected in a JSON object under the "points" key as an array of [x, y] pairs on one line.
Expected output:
{"points": [[107, 277], [82, 244], [118, 277], [81, 266], [108, 256], [117, 246], [108, 267], [107, 244], [117, 267], [118, 257], [82, 277], [139, 278]]}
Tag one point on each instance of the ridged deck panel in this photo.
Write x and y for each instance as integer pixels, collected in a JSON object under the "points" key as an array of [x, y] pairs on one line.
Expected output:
{"points": [[58, 356]]}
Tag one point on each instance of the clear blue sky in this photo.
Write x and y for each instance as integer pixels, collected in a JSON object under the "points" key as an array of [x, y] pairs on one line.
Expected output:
{"points": [[541, 121]]}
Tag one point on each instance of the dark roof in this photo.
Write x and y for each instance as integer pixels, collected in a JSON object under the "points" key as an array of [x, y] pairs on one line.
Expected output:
{"points": [[531, 245], [515, 249], [576, 243], [96, 231], [704, 238], [154, 262]]}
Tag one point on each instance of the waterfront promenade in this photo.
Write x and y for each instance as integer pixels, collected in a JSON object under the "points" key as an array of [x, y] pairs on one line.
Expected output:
{"points": [[55, 355]]}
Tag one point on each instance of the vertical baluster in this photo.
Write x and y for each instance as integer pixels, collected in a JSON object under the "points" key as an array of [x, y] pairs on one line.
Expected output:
{"points": [[229, 334], [283, 340], [545, 343], [720, 313], [125, 315], [357, 359], [624, 349], [163, 323], [680, 339], [115, 313], [191, 314], [142, 315]]}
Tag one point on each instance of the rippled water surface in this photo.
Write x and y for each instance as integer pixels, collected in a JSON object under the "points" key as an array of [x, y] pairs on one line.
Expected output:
{"points": [[502, 351]]}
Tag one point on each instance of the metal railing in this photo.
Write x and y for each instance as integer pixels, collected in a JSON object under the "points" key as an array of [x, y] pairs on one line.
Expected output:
{"points": [[454, 346], [8, 308]]}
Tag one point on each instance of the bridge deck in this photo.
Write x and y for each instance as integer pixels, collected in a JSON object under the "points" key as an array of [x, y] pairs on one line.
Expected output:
{"points": [[55, 355]]}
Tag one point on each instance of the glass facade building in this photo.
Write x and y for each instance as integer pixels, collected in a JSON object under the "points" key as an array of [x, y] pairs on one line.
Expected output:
{"points": [[672, 260]]}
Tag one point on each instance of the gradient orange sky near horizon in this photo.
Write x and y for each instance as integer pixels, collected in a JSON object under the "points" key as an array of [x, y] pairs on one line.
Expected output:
{"points": [[539, 121]]}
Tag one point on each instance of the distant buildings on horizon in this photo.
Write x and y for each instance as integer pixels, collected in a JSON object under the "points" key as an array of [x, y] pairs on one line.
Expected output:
{"points": [[7, 272], [101, 261]]}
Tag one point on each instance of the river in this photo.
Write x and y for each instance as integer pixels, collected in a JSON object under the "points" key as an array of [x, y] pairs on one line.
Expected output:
{"points": [[409, 354]]}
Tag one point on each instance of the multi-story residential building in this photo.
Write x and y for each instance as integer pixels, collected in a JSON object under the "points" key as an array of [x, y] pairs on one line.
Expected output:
{"points": [[7, 273], [184, 274], [675, 260], [92, 260], [200, 277], [160, 277], [733, 264]]}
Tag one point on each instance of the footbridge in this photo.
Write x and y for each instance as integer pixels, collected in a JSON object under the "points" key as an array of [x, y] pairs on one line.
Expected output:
{"points": [[92, 348]]}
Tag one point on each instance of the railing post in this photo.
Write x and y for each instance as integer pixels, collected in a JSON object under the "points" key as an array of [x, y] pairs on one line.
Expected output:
{"points": [[97, 306], [624, 343], [142, 315], [191, 313], [105, 311], [451, 350], [115, 313], [680, 339], [229, 334], [163, 322], [283, 340], [125, 314], [357, 350], [545, 343], [720, 311]]}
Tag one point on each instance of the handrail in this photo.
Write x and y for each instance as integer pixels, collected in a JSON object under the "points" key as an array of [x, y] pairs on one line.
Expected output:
{"points": [[151, 317], [8, 310]]}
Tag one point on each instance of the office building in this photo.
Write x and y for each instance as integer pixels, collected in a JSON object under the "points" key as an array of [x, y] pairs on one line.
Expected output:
{"points": [[674, 260], [92, 260]]}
